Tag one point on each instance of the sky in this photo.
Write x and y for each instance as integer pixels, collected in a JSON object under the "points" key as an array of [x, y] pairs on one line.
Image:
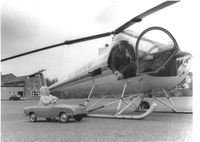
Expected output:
{"points": [[31, 24]]}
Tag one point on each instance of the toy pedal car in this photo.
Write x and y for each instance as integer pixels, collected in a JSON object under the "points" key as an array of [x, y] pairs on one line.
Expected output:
{"points": [[62, 111]]}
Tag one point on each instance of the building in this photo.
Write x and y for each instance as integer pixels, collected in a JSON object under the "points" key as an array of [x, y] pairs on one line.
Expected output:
{"points": [[25, 86]]}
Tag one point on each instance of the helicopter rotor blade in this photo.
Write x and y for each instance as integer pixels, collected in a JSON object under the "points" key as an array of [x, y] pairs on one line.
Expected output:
{"points": [[117, 31], [33, 51], [143, 15], [88, 38], [60, 44]]}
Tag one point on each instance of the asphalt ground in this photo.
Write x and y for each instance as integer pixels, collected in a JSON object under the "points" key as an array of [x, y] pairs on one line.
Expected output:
{"points": [[15, 127]]}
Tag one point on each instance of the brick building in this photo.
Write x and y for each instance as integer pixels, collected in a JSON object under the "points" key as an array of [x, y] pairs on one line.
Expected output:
{"points": [[25, 86]]}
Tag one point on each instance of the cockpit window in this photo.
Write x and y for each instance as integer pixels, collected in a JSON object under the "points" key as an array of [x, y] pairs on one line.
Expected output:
{"points": [[148, 47], [155, 47], [121, 55]]}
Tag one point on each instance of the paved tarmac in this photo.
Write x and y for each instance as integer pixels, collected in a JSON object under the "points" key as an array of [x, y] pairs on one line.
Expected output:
{"points": [[15, 127]]}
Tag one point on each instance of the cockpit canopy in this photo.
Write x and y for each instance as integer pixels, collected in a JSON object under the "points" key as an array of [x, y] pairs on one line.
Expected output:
{"points": [[153, 48], [125, 44]]}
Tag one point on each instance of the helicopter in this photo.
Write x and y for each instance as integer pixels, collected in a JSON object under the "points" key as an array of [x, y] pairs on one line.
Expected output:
{"points": [[159, 63]]}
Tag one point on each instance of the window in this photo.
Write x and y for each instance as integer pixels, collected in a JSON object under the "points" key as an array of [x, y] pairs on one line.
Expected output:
{"points": [[35, 93], [155, 46], [124, 43], [20, 93]]}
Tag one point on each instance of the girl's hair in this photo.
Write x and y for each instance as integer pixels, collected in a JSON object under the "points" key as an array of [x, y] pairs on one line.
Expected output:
{"points": [[43, 91]]}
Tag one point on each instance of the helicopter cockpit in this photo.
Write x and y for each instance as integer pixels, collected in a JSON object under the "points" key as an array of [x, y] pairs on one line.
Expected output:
{"points": [[153, 51]]}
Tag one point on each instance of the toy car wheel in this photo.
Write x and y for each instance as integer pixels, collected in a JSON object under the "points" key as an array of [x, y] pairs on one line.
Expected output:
{"points": [[145, 105], [32, 117], [48, 119], [63, 117], [78, 117]]}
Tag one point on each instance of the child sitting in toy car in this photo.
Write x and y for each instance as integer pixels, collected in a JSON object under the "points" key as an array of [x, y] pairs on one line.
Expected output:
{"points": [[46, 98]]}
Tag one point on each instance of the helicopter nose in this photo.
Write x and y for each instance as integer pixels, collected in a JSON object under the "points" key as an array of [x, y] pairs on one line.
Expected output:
{"points": [[183, 64]]}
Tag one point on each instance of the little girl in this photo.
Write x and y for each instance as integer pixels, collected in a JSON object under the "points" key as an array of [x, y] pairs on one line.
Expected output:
{"points": [[45, 97]]}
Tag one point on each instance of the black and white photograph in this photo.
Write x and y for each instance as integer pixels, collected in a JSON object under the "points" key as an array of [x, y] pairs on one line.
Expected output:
{"points": [[99, 71]]}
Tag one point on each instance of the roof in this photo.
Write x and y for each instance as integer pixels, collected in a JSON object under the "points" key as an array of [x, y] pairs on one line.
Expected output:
{"points": [[11, 78], [17, 79], [10, 75], [11, 85]]}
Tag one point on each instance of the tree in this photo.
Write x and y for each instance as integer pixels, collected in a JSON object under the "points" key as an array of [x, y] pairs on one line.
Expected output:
{"points": [[50, 82]]}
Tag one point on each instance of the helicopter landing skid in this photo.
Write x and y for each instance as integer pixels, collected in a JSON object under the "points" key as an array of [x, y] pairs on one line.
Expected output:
{"points": [[120, 110]]}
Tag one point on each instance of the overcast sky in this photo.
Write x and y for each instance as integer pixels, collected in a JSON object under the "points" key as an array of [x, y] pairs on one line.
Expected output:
{"points": [[32, 24]]}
